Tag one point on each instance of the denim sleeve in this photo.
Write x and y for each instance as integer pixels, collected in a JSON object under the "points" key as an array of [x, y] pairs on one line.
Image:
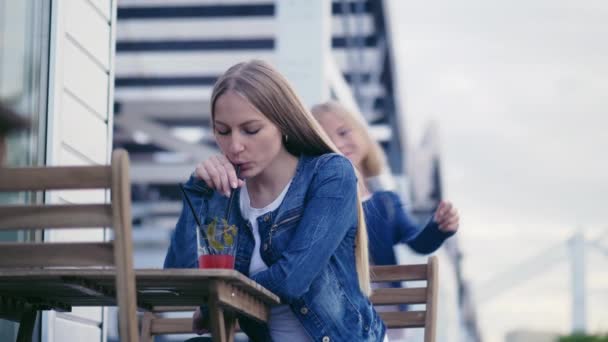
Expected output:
{"points": [[422, 240], [403, 229], [429, 239], [182, 250], [329, 212]]}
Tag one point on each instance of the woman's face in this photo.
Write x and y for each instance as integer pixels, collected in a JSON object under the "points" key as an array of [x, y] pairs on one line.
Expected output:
{"points": [[345, 136], [245, 136]]}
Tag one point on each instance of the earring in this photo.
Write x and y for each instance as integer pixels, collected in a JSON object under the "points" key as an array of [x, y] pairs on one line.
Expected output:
{"points": [[285, 138]]}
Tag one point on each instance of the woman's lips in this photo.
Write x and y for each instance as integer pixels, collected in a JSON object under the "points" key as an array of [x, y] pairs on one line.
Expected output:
{"points": [[244, 166]]}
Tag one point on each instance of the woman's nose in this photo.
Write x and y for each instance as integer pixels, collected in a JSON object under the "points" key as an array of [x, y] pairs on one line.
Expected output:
{"points": [[236, 144], [340, 143]]}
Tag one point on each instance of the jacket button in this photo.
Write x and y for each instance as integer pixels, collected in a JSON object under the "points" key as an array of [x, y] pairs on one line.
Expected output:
{"points": [[266, 218], [304, 310], [265, 246], [326, 339]]}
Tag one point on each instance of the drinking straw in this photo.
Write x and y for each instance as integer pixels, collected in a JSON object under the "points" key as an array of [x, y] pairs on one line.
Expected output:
{"points": [[198, 221], [231, 199]]}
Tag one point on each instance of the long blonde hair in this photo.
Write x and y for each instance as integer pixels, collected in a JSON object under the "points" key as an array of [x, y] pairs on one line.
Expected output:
{"points": [[267, 90], [374, 161]]}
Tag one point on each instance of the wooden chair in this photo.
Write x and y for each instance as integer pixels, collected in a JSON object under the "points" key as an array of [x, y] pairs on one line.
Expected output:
{"points": [[49, 257], [154, 324], [408, 295]]}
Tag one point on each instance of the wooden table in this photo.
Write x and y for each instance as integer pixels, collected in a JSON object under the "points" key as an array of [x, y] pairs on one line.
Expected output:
{"points": [[226, 292]]}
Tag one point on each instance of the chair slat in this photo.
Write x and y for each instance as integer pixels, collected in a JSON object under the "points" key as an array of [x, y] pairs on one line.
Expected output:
{"points": [[398, 273], [408, 295], [161, 326], [403, 319], [55, 216], [56, 254], [171, 326], [55, 178], [158, 309]]}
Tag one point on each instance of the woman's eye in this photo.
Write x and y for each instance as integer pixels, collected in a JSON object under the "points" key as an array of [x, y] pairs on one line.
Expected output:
{"points": [[222, 132], [344, 132], [252, 131]]}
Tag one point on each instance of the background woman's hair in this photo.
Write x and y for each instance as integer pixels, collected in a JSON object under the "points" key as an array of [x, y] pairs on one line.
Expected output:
{"points": [[268, 91], [374, 161]]}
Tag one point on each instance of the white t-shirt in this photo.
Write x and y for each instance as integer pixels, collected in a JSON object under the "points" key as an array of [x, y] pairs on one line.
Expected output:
{"points": [[283, 324]]}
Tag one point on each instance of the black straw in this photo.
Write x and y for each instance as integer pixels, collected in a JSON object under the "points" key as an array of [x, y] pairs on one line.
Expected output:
{"points": [[181, 186], [231, 199]]}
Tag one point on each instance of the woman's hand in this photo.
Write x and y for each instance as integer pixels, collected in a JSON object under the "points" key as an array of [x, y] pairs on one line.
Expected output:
{"points": [[199, 324], [219, 174], [447, 217]]}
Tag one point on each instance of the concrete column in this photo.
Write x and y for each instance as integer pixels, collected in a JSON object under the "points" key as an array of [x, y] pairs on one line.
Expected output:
{"points": [[303, 43]]}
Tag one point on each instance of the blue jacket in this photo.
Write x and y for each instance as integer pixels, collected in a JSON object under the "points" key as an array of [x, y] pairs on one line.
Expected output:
{"points": [[388, 224], [308, 244]]}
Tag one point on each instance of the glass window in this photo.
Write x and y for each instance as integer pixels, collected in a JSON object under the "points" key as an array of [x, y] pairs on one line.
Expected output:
{"points": [[24, 50]]}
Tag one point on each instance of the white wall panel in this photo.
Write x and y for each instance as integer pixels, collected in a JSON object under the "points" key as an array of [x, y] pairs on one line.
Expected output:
{"points": [[67, 156], [104, 7], [86, 25], [67, 330], [77, 235], [85, 78], [94, 314], [83, 131]]}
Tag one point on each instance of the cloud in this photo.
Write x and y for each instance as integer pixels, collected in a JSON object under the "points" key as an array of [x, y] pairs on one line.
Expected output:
{"points": [[519, 89]]}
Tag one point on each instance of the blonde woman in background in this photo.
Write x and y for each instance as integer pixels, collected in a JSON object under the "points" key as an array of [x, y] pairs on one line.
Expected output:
{"points": [[388, 223], [301, 232]]}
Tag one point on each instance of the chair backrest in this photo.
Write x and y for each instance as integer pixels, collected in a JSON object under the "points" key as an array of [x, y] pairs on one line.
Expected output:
{"points": [[117, 215], [426, 294]]}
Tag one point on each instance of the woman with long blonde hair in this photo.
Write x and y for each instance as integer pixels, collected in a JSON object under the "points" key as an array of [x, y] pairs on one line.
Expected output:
{"points": [[388, 222], [301, 229]]}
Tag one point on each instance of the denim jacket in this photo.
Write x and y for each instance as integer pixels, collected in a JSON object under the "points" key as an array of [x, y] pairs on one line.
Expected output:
{"points": [[308, 242]]}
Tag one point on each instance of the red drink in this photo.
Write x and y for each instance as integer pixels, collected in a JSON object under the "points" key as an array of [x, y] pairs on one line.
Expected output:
{"points": [[216, 261]]}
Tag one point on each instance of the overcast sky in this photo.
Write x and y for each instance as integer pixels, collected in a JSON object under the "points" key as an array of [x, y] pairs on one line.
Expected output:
{"points": [[520, 91]]}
